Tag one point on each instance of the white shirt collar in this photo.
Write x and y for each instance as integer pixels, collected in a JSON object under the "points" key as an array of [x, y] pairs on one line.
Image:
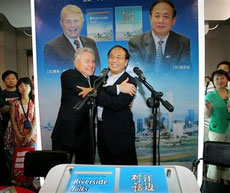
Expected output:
{"points": [[112, 79]]}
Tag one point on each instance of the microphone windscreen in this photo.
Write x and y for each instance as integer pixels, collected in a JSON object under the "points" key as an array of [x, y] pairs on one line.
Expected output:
{"points": [[136, 70], [104, 72]]}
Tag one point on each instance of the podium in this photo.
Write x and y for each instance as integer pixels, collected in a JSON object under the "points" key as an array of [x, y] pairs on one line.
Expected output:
{"points": [[179, 179]]}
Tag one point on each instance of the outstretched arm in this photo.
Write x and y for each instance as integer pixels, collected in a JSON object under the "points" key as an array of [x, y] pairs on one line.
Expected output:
{"points": [[85, 91], [127, 88]]}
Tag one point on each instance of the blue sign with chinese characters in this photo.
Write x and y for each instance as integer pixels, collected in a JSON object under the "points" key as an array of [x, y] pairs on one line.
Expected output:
{"points": [[142, 179]]}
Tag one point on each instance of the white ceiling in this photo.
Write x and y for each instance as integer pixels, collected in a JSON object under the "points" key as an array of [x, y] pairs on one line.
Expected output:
{"points": [[216, 9]]}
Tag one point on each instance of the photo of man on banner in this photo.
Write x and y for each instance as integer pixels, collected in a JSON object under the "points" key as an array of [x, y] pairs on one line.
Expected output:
{"points": [[59, 52], [161, 47]]}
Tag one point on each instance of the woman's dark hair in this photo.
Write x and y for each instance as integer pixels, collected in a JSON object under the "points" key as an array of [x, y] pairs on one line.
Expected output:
{"points": [[127, 55], [219, 72], [163, 1], [25, 80], [208, 77]]}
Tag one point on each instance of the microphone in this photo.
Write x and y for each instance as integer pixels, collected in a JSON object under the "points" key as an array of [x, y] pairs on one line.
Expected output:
{"points": [[102, 77], [168, 106], [139, 73], [104, 72]]}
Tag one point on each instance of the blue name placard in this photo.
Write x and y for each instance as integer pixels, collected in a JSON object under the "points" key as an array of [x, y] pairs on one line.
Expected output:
{"points": [[91, 179]]}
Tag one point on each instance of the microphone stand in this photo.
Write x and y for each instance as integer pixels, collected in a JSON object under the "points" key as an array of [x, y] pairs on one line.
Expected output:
{"points": [[90, 100], [154, 103]]}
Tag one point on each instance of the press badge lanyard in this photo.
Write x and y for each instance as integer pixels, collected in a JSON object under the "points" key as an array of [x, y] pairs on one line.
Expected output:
{"points": [[26, 114]]}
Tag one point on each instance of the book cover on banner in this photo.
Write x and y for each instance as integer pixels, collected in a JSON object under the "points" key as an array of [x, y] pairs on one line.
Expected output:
{"points": [[142, 179], [100, 24], [91, 179], [128, 22]]}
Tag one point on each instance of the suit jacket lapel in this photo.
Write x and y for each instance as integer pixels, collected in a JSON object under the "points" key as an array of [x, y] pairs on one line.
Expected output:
{"points": [[83, 78], [67, 46], [150, 49], [83, 41], [170, 48], [121, 78]]}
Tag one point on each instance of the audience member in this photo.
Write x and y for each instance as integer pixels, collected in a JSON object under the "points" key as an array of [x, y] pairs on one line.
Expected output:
{"points": [[59, 52], [161, 47], [8, 95], [22, 116], [216, 107], [116, 129], [225, 65]]}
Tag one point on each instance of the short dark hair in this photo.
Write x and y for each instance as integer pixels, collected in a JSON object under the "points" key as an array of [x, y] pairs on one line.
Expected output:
{"points": [[7, 73], [219, 72], [224, 62], [25, 80], [127, 55], [163, 1], [208, 77]]}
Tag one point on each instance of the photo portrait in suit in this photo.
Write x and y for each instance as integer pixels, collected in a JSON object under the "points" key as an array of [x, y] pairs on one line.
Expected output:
{"points": [[161, 47], [59, 52]]}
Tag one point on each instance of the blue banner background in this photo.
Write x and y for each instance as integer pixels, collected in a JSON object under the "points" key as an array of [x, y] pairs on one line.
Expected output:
{"points": [[180, 128]]}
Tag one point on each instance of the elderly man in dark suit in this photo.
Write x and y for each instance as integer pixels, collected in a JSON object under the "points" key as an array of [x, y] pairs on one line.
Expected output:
{"points": [[59, 52], [161, 47], [116, 128], [71, 130]]}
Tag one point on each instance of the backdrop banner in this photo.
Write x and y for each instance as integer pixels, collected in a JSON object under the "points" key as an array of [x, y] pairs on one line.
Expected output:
{"points": [[116, 22]]}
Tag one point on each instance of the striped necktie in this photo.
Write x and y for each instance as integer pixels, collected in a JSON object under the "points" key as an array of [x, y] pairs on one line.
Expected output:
{"points": [[77, 43], [159, 55]]}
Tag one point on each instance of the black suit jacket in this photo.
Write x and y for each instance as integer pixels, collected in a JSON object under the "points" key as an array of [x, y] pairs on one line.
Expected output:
{"points": [[118, 124], [59, 52], [72, 128], [177, 51]]}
